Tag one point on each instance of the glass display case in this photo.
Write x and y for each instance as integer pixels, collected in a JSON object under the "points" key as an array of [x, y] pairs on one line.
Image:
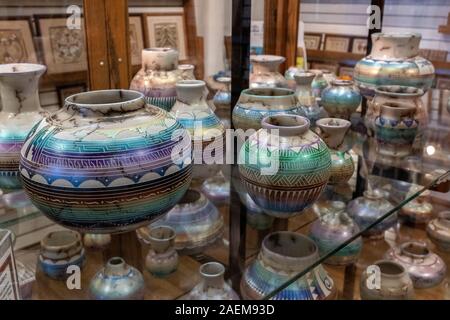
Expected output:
{"points": [[172, 150]]}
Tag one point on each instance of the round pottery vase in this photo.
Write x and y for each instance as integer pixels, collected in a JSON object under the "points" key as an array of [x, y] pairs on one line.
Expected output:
{"points": [[21, 110], [117, 281], [395, 283], [332, 229], [157, 77], [265, 72], [96, 241], [395, 130], [333, 131], [283, 255], [425, 268], [418, 211], [212, 285], [217, 189], [222, 98], [289, 76], [162, 259], [370, 207], [255, 104], [286, 170], [320, 82], [196, 221], [59, 250], [103, 163], [394, 60], [340, 99], [438, 230], [186, 71], [307, 101]]}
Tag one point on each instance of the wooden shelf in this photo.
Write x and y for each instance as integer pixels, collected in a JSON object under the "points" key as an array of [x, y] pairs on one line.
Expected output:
{"points": [[444, 29]]}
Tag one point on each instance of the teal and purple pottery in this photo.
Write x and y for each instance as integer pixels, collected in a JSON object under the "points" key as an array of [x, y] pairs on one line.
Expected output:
{"points": [[394, 60], [341, 99], [283, 255], [104, 163], [117, 281]]}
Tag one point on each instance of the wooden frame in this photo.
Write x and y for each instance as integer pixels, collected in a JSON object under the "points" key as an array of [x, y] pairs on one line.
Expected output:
{"points": [[31, 50], [337, 43], [359, 45], [136, 45], [315, 40]]}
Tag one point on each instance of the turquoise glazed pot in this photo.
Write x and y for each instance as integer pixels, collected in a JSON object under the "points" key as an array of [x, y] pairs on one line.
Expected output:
{"points": [[283, 255], [284, 172], [320, 82], [59, 251], [20, 111], [117, 281], [341, 99], [104, 163], [255, 104], [394, 60]]}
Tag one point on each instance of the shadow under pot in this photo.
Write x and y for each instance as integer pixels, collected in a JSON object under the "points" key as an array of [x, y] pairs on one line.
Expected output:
{"points": [[394, 282], [162, 259], [60, 250], [103, 164], [196, 221], [255, 104], [425, 268], [340, 99], [265, 72], [283, 255], [284, 166], [438, 230]]}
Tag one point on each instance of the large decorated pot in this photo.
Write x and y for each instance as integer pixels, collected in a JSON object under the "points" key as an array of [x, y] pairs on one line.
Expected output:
{"points": [[255, 104], [284, 166], [283, 255], [158, 75], [265, 72], [104, 162], [394, 60], [340, 99], [20, 111]]}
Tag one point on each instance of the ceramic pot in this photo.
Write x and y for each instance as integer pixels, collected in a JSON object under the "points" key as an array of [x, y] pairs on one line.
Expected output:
{"points": [[332, 131], [418, 211], [222, 98], [438, 230], [425, 268], [212, 285], [265, 72], [394, 60], [395, 130], [332, 229], [96, 241], [217, 189], [103, 163], [196, 221], [256, 218], [21, 110], [308, 105], [289, 76], [320, 82], [395, 283], [117, 281], [283, 255], [367, 209], [186, 71], [157, 77], [162, 259], [340, 99], [255, 104], [284, 171], [59, 250]]}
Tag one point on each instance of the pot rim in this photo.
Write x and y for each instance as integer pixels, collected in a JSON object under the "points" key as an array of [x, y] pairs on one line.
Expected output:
{"points": [[135, 97], [160, 49], [171, 233], [325, 122], [267, 58], [190, 83], [76, 237], [394, 263], [380, 90], [342, 82], [302, 124], [186, 66], [218, 270], [418, 244], [282, 93], [7, 69], [226, 80]]}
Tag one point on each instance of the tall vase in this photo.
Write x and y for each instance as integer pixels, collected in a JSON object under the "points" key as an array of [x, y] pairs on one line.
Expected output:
{"points": [[104, 163], [340, 99], [20, 112], [212, 285], [265, 72], [332, 131], [306, 99], [162, 259], [319, 83], [283, 255], [157, 77], [394, 60], [284, 166]]}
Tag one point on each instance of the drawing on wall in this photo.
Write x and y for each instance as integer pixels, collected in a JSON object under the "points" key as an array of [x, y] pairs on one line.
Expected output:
{"points": [[167, 30], [136, 39], [312, 41], [16, 42], [64, 49], [337, 43], [359, 45]]}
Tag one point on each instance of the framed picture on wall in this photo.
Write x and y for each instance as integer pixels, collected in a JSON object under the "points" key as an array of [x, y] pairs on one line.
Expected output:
{"points": [[313, 41], [16, 40], [337, 43], [68, 90], [443, 83], [437, 55], [136, 39], [64, 49], [166, 30], [359, 45]]}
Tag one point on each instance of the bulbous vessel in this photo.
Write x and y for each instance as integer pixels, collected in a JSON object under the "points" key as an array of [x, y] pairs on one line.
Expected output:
{"points": [[162, 259], [321, 81], [418, 211], [438, 230], [307, 101], [286, 170], [283, 255], [103, 163], [265, 72], [340, 99]]}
